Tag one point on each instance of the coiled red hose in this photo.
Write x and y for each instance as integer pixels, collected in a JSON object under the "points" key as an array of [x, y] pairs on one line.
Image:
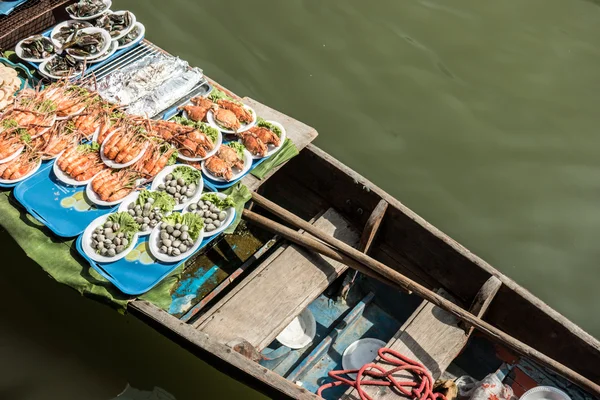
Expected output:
{"points": [[421, 387]]}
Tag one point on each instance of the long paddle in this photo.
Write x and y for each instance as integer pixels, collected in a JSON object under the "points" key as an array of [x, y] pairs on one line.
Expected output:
{"points": [[379, 270]]}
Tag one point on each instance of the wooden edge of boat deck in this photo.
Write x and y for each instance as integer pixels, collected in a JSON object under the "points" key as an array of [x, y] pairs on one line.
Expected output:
{"points": [[219, 355]]}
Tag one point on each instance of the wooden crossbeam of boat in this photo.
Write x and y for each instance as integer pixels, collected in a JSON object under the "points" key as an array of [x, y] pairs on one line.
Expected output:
{"points": [[482, 300], [372, 226]]}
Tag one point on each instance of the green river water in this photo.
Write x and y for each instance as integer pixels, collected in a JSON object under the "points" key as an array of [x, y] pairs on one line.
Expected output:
{"points": [[481, 116]]}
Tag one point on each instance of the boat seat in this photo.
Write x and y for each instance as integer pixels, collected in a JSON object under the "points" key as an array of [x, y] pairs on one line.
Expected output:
{"points": [[258, 309], [431, 336]]}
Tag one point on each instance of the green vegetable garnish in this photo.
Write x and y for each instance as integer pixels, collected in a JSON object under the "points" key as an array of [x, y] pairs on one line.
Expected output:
{"points": [[269, 126], [173, 158], [188, 174], [46, 106], [162, 200], [24, 135], [194, 222], [127, 224], [238, 147], [219, 203], [9, 123], [89, 147], [216, 95]]}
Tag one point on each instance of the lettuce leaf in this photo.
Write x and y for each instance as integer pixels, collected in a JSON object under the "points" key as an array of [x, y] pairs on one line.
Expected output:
{"points": [[269, 126], [219, 203], [193, 221], [162, 200], [188, 174], [127, 224], [238, 147]]}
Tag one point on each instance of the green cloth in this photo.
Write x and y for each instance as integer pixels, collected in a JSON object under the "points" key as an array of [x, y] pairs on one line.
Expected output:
{"points": [[241, 195], [287, 152], [56, 257]]}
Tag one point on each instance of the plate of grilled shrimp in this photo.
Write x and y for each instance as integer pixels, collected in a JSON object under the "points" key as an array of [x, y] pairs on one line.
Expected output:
{"points": [[229, 163]]}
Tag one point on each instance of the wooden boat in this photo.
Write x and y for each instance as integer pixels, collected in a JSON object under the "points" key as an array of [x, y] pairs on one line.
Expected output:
{"points": [[235, 299], [233, 322]]}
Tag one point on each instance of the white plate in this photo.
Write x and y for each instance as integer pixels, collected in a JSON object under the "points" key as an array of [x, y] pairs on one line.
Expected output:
{"points": [[108, 3], [27, 175], [300, 332], [66, 179], [79, 111], [66, 23], [272, 149], [114, 45], [154, 249], [126, 30], [13, 156], [160, 178], [244, 127], [41, 132], [19, 51], [125, 207], [209, 154], [141, 32], [230, 216], [47, 74], [113, 164], [361, 352], [86, 242], [247, 166], [93, 197], [103, 49]]}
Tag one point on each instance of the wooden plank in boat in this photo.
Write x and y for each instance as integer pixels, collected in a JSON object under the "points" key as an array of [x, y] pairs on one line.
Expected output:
{"points": [[430, 336], [298, 132], [277, 291]]}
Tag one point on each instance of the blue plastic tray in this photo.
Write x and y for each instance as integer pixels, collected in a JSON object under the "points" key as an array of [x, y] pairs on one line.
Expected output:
{"points": [[138, 272], [6, 7], [64, 209]]}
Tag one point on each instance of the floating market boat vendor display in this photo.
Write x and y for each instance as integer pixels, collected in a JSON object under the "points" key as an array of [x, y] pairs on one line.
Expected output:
{"points": [[150, 165]]}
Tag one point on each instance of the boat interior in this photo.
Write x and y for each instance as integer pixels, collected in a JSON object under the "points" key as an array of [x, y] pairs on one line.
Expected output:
{"points": [[251, 285]]}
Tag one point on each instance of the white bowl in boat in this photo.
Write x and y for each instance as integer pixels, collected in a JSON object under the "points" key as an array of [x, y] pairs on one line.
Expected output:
{"points": [[12, 156], [361, 352], [300, 332], [230, 216], [236, 173], [27, 175], [111, 50], [86, 242], [44, 72], [112, 164], [19, 52], [272, 149], [210, 117], [160, 179], [66, 179], [101, 51], [209, 154], [107, 3], [126, 30], [153, 241], [545, 393], [141, 32], [58, 27]]}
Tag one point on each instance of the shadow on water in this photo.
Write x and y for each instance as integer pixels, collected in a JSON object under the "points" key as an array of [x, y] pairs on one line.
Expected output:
{"points": [[57, 344]]}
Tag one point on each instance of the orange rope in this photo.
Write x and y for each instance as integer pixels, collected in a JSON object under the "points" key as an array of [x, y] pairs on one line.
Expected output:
{"points": [[421, 387]]}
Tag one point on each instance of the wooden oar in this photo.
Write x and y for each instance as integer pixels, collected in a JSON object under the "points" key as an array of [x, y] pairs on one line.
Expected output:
{"points": [[392, 276]]}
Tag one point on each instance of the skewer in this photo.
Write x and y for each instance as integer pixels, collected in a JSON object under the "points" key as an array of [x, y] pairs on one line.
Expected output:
{"points": [[399, 280]]}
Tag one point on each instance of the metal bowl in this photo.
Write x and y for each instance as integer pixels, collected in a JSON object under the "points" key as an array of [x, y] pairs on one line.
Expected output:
{"points": [[545, 393]]}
